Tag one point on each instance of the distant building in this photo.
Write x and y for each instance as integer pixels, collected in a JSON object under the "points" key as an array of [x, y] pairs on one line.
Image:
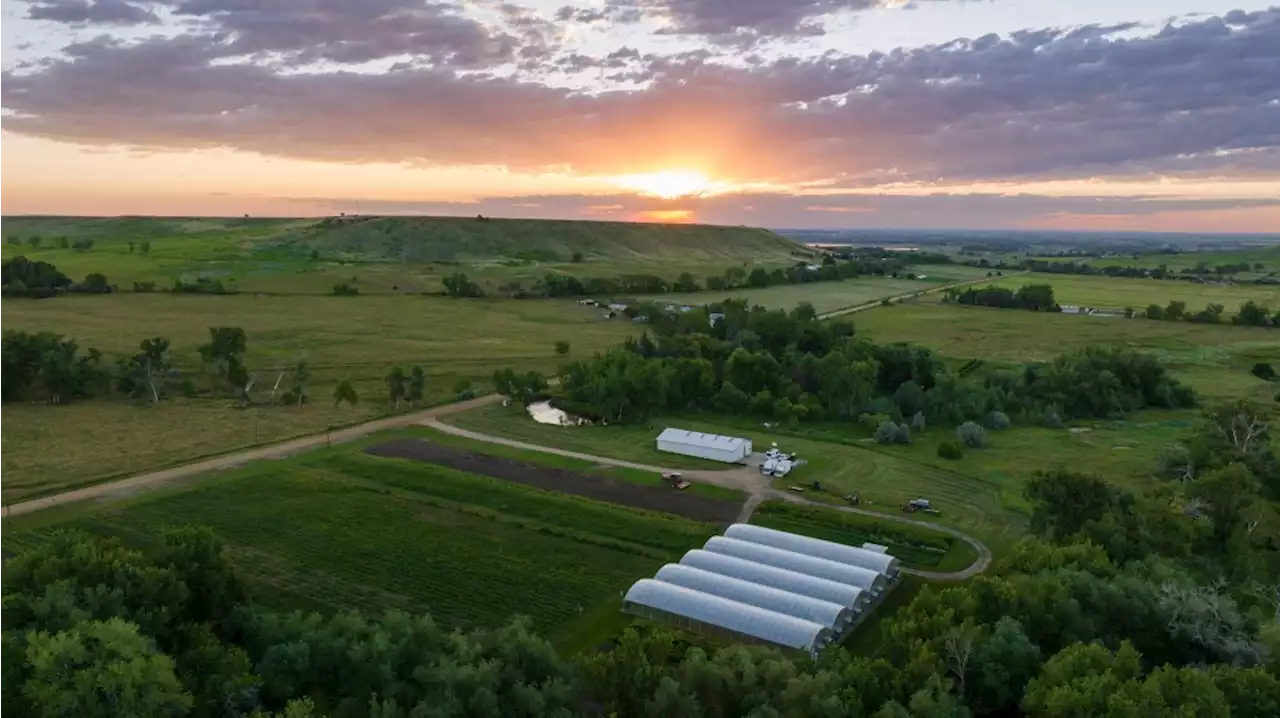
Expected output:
{"points": [[617, 307]]}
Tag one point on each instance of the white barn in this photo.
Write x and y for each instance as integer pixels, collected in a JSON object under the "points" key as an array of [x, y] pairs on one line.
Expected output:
{"points": [[729, 449]]}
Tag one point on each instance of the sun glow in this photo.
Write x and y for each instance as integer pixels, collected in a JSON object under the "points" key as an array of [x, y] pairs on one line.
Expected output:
{"points": [[669, 184]]}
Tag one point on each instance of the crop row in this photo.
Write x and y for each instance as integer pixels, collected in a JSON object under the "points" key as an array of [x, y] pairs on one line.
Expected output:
{"points": [[646, 528]]}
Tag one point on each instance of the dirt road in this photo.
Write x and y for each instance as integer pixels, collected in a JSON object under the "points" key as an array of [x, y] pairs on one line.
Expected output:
{"points": [[757, 488], [124, 487]]}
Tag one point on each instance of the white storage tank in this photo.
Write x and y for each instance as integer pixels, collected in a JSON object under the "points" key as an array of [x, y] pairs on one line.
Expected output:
{"points": [[729, 449]]}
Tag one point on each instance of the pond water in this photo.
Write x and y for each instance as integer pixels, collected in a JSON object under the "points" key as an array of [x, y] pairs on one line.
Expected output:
{"points": [[544, 413]]}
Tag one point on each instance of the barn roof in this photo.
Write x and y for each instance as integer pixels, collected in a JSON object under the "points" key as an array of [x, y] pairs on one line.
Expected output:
{"points": [[697, 438]]}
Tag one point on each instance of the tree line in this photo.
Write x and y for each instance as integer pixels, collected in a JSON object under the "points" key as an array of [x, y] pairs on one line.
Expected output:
{"points": [[1250, 314], [1034, 297], [831, 269], [22, 277], [791, 367]]}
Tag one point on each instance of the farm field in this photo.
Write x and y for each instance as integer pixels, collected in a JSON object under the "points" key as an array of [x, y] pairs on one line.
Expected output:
{"points": [[635, 476], [1120, 292], [972, 503], [336, 529], [1267, 256], [824, 296], [386, 255], [49, 448], [1214, 359]]}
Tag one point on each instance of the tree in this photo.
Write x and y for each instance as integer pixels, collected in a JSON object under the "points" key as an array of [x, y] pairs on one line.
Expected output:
{"points": [[344, 391], [145, 247], [463, 388], [759, 277], [397, 386], [132, 244], [315, 255], [997, 420], [1175, 311], [34, 240], [100, 668], [145, 372], [1227, 493], [576, 258], [562, 347], [971, 435], [1154, 311], [1063, 502], [1263, 371], [918, 422], [950, 450], [299, 385], [458, 285], [223, 356], [417, 385], [686, 283]]}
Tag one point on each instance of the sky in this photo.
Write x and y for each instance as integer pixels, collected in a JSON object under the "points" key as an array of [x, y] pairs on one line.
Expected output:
{"points": [[1159, 115]]}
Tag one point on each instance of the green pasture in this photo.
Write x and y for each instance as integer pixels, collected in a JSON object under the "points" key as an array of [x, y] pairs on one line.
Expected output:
{"points": [[1121, 292], [336, 529], [1214, 359], [824, 296], [50, 448], [1268, 256]]}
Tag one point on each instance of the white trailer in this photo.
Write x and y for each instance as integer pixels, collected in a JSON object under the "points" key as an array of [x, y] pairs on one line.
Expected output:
{"points": [[729, 449]]}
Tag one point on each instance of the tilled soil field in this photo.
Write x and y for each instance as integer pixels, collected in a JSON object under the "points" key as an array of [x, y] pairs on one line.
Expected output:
{"points": [[599, 488]]}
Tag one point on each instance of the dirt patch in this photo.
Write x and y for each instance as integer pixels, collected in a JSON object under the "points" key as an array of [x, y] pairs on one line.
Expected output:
{"points": [[599, 488]]}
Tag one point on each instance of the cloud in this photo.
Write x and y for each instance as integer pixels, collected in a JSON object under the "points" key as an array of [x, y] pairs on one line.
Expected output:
{"points": [[96, 12], [1195, 99], [736, 22]]}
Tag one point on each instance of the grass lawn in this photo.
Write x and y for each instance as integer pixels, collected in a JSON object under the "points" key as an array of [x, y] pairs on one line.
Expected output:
{"points": [[1214, 359], [628, 442], [914, 546], [824, 296], [1119, 292], [48, 448], [336, 529]]}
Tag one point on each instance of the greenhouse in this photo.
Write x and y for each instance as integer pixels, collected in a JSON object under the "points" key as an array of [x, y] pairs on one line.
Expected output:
{"points": [[864, 578], [825, 613], [850, 597], [705, 613], [829, 550]]}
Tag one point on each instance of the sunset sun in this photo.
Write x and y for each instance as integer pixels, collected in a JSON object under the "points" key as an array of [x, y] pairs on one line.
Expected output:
{"points": [[668, 184]]}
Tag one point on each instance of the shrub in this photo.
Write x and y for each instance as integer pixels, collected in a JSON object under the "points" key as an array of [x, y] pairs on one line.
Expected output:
{"points": [[562, 347], [971, 435], [917, 422], [345, 290], [1263, 371], [871, 422], [891, 433], [1050, 419], [997, 420], [464, 389], [950, 450]]}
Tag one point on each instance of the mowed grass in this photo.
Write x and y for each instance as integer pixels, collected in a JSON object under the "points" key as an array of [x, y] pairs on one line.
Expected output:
{"points": [[1213, 359], [338, 530], [629, 442], [49, 448], [1120, 292], [824, 296], [914, 546]]}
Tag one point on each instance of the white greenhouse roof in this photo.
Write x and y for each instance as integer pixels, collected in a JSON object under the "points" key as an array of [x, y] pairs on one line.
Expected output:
{"points": [[829, 550], [730, 615], [851, 597], [863, 578], [697, 438], [825, 613]]}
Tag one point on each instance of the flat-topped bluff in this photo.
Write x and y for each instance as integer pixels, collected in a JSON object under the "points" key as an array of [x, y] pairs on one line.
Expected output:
{"points": [[429, 239]]}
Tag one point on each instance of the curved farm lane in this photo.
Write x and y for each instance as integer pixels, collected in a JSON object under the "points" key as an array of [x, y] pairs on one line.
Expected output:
{"points": [[910, 295], [757, 492], [124, 487]]}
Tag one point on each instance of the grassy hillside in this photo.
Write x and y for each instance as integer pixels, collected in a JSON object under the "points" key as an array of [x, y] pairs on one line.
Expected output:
{"points": [[383, 254]]}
